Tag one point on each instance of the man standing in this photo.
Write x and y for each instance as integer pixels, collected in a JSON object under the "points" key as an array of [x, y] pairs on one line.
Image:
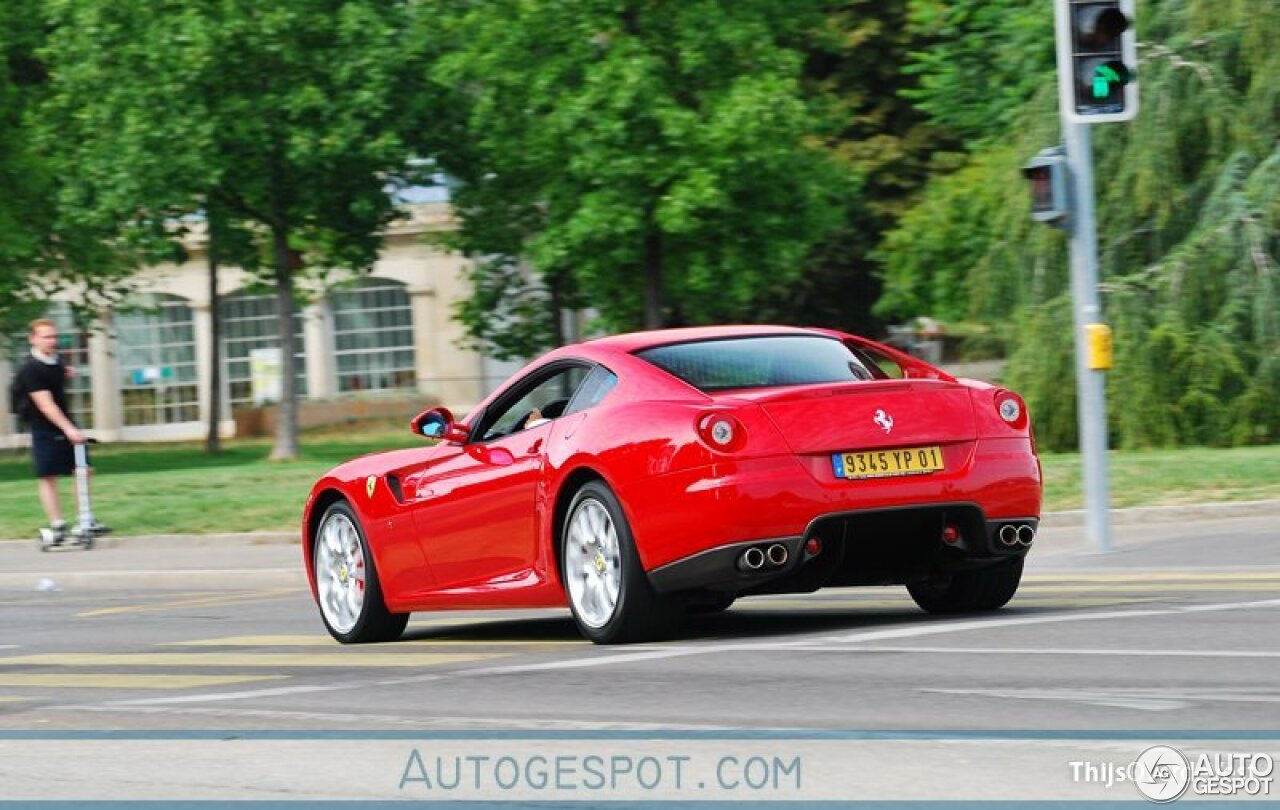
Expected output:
{"points": [[53, 435]]}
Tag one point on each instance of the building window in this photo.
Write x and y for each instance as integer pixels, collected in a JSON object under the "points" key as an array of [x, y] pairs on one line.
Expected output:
{"points": [[373, 336], [156, 342], [248, 323], [73, 345]]}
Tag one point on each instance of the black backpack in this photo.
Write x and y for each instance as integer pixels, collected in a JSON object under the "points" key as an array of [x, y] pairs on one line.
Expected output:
{"points": [[19, 400]]}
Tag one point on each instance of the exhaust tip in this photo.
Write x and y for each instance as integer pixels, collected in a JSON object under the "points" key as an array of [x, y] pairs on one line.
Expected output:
{"points": [[751, 560], [1026, 534], [778, 554], [1009, 534]]}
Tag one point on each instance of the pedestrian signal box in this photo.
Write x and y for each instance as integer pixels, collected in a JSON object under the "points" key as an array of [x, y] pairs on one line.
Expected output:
{"points": [[1047, 173]]}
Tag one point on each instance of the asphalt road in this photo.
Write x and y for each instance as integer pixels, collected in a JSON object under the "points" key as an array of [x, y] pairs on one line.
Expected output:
{"points": [[1178, 629]]}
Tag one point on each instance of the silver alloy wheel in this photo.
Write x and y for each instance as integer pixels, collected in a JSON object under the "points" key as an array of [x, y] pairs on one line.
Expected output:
{"points": [[340, 572], [593, 563]]}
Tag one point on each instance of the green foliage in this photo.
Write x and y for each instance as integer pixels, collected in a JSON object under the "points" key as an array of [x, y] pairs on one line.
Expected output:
{"points": [[287, 120], [1188, 215], [978, 62], [41, 250], [642, 141]]}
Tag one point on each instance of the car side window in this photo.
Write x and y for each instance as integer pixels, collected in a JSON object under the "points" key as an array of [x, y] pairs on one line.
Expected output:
{"points": [[599, 383], [547, 399]]}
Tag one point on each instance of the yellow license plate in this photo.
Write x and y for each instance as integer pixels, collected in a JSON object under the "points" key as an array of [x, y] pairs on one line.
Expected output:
{"points": [[886, 463]]}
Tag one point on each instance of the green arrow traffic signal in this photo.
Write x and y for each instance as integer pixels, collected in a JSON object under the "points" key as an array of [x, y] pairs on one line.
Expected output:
{"points": [[1108, 76]]}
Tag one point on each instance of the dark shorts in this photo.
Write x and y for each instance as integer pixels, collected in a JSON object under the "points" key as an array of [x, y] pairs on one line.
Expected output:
{"points": [[53, 454]]}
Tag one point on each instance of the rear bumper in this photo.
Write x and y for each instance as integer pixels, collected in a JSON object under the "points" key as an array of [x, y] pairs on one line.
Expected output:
{"points": [[683, 514], [877, 546]]}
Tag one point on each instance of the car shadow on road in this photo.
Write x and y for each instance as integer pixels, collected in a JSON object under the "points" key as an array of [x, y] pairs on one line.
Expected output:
{"points": [[737, 624]]}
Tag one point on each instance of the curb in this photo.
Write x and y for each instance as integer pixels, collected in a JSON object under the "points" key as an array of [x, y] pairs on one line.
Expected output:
{"points": [[191, 540], [1138, 515]]}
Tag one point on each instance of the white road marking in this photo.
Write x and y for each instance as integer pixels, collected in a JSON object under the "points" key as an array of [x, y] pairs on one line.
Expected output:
{"points": [[438, 721], [942, 628], [1026, 651], [8, 646], [921, 628], [1153, 700]]}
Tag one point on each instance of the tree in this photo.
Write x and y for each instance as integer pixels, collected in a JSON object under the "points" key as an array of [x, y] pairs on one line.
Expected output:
{"points": [[661, 158], [287, 117], [1189, 232], [41, 251]]}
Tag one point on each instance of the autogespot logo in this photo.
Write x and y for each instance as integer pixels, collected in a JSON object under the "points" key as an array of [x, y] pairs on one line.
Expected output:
{"points": [[1163, 773]]}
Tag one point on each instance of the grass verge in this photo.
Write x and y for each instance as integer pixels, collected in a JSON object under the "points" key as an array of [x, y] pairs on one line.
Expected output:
{"points": [[176, 488]]}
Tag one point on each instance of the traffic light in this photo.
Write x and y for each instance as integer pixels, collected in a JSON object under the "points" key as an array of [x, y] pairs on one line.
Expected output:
{"points": [[1097, 58], [1047, 173]]}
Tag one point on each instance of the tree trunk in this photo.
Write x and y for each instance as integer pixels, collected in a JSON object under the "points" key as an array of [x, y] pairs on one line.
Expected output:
{"points": [[213, 442], [287, 414], [555, 284], [653, 304]]}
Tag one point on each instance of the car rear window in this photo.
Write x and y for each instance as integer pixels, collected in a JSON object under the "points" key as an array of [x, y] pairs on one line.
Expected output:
{"points": [[758, 362]]}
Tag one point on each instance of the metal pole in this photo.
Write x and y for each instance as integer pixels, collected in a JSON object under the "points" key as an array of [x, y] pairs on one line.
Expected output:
{"points": [[1091, 410]]}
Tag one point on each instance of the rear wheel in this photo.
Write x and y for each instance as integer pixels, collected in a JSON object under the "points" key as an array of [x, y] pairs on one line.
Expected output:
{"points": [[347, 586], [969, 591], [609, 593]]}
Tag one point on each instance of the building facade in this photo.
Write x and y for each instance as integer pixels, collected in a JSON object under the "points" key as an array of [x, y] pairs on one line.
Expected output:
{"points": [[143, 369]]}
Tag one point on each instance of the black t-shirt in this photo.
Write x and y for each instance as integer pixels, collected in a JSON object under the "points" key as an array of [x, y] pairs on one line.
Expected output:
{"points": [[38, 376]]}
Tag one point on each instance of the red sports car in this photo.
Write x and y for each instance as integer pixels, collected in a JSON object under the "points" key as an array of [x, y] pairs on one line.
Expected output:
{"points": [[640, 476]]}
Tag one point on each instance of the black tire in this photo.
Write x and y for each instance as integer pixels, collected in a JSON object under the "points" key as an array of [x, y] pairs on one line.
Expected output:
{"points": [[982, 589], [640, 613], [375, 623]]}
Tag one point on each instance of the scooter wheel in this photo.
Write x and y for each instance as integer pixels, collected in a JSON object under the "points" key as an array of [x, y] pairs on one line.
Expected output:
{"points": [[87, 542]]}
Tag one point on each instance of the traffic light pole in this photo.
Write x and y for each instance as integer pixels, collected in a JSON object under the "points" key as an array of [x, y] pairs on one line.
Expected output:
{"points": [[1091, 410]]}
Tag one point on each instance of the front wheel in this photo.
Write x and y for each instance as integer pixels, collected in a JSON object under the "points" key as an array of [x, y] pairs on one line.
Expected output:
{"points": [[969, 591], [609, 593], [347, 586]]}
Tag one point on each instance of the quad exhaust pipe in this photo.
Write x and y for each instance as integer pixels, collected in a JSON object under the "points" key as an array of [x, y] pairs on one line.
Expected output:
{"points": [[1012, 534], [777, 554], [755, 558], [752, 559]]}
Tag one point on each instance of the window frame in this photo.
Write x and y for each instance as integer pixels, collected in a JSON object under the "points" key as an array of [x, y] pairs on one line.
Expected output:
{"points": [[639, 354], [518, 389]]}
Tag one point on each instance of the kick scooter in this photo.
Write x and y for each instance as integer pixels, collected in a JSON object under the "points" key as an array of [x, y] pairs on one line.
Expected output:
{"points": [[86, 529]]}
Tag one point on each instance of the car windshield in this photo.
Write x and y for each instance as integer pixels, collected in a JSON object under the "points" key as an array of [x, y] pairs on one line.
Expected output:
{"points": [[759, 362]]}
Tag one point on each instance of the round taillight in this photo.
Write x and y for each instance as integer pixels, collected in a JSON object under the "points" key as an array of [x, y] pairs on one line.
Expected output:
{"points": [[1011, 409], [720, 431]]}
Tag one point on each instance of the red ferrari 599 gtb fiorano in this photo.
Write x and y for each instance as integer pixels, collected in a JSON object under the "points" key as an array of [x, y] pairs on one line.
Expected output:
{"points": [[640, 476]]}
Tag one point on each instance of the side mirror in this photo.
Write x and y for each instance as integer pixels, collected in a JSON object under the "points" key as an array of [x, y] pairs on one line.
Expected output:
{"points": [[438, 423]]}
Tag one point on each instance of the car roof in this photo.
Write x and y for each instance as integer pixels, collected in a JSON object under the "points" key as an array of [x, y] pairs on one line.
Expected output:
{"points": [[638, 341]]}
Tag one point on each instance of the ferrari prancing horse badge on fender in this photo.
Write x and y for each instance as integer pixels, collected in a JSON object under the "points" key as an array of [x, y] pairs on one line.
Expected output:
{"points": [[370, 484]]}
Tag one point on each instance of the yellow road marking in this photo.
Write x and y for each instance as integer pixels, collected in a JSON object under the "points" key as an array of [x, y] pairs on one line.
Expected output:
{"points": [[274, 593], [219, 659], [75, 680], [1153, 587], [1142, 576], [65, 599], [13, 699], [316, 640]]}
